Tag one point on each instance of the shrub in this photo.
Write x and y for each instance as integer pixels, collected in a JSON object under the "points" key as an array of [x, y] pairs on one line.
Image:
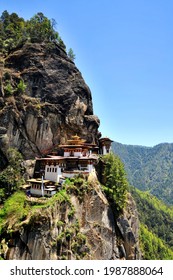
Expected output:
{"points": [[21, 87], [8, 89]]}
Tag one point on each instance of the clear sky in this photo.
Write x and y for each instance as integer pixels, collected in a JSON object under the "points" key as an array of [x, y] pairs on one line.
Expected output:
{"points": [[124, 50]]}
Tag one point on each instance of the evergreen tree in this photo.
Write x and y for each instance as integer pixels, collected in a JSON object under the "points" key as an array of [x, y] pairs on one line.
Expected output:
{"points": [[11, 30], [15, 31], [71, 54], [115, 180], [40, 29], [11, 177]]}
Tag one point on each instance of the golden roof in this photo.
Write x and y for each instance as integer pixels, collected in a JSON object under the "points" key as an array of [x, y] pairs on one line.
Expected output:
{"points": [[76, 140]]}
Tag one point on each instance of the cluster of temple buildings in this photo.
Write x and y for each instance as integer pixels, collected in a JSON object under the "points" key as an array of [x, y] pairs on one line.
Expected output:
{"points": [[77, 157]]}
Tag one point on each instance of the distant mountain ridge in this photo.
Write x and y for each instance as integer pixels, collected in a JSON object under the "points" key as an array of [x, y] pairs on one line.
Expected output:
{"points": [[149, 168]]}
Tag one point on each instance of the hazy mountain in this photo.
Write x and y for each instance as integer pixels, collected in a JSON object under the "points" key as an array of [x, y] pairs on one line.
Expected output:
{"points": [[149, 168]]}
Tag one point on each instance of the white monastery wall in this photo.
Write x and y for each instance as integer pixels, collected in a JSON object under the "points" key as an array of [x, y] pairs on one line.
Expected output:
{"points": [[52, 173], [77, 154], [66, 154]]}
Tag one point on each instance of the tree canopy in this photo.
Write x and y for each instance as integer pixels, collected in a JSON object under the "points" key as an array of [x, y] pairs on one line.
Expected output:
{"points": [[157, 216], [115, 180], [71, 54], [153, 248], [11, 177], [14, 30]]}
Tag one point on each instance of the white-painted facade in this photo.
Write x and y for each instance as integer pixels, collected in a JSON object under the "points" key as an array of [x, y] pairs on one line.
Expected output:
{"points": [[105, 145], [38, 191], [90, 167], [40, 187], [104, 150], [78, 154], [68, 174], [53, 173], [73, 153], [66, 154]]}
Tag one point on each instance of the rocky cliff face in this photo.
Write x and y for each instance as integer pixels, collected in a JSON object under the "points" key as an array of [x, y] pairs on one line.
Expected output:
{"points": [[55, 104], [92, 232]]}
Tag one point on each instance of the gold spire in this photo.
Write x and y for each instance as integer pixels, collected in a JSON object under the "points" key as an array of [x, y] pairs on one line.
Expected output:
{"points": [[75, 140]]}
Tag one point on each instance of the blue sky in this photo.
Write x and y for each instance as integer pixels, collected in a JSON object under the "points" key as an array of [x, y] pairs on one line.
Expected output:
{"points": [[124, 50]]}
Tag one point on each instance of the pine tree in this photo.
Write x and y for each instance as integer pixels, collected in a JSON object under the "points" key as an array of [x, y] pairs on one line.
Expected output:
{"points": [[71, 54], [115, 180]]}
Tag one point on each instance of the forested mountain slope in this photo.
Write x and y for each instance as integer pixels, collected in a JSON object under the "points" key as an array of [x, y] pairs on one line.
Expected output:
{"points": [[156, 229], [149, 168]]}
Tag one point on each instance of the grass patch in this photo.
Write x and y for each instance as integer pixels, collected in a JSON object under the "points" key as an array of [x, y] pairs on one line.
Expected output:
{"points": [[15, 209], [60, 196]]}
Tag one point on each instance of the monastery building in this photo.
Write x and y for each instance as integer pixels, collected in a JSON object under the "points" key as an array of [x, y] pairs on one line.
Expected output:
{"points": [[78, 157]]}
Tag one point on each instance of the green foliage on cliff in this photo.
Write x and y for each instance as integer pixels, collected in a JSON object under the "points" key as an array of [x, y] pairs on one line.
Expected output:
{"points": [[12, 30], [18, 208], [21, 87], [71, 54], [42, 203], [15, 31], [71, 240], [20, 211], [14, 210], [115, 181], [78, 186], [39, 28], [15, 207], [11, 177], [8, 89], [153, 248]]}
